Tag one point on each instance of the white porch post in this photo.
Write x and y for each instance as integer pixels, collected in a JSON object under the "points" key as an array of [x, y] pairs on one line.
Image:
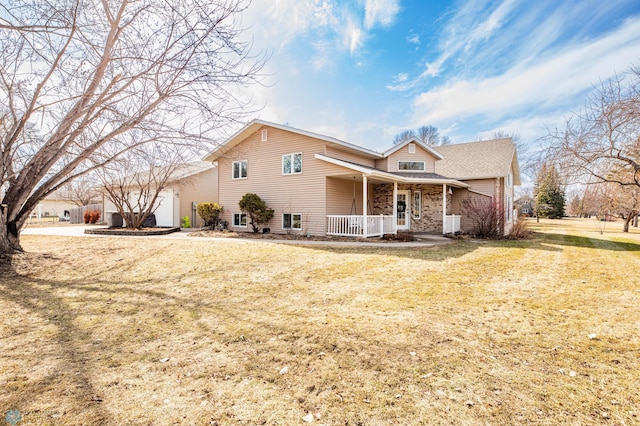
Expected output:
{"points": [[444, 208], [395, 207], [365, 195]]}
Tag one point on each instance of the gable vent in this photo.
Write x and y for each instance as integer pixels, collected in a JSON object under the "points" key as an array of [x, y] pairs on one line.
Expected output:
{"points": [[264, 135]]}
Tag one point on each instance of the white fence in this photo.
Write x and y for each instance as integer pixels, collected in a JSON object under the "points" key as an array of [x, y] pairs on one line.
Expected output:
{"points": [[452, 224], [352, 225]]}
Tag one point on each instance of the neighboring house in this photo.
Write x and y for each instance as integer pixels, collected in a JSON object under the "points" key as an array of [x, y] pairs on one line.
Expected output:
{"points": [[57, 204], [189, 184], [319, 185], [525, 206]]}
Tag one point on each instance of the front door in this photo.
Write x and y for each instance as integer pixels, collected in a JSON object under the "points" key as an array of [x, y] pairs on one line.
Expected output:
{"points": [[402, 210]]}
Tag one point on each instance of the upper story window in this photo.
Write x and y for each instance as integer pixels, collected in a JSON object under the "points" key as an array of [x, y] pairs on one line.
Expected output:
{"points": [[509, 180], [412, 148], [239, 169], [292, 163], [411, 166]]}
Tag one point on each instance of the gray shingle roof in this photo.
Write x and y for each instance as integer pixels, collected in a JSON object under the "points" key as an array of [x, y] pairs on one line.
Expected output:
{"points": [[478, 160]]}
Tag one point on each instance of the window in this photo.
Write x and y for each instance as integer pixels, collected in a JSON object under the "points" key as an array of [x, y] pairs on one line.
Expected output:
{"points": [[412, 148], [509, 179], [292, 221], [264, 135], [411, 166], [240, 220], [508, 214], [292, 163], [417, 204], [240, 169]]}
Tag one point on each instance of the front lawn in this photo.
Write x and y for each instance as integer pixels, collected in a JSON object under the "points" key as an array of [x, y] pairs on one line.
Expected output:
{"points": [[112, 331]]}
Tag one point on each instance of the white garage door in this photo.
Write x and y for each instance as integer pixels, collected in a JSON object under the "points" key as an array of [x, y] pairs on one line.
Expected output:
{"points": [[164, 212]]}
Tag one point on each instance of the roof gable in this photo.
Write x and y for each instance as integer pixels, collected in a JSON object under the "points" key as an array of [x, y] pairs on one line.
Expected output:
{"points": [[417, 141], [257, 124]]}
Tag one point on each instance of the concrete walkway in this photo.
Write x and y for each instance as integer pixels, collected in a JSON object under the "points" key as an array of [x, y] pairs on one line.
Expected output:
{"points": [[78, 231]]}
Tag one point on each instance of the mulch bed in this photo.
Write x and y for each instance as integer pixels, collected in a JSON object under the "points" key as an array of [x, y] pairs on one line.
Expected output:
{"points": [[401, 237], [128, 231]]}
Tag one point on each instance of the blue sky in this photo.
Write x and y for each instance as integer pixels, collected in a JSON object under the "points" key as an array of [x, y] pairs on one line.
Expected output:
{"points": [[364, 70]]}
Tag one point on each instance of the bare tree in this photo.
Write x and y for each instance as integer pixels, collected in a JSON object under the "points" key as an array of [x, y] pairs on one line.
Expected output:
{"points": [[82, 82], [428, 135], [602, 143], [134, 182], [82, 191], [613, 200], [403, 136]]}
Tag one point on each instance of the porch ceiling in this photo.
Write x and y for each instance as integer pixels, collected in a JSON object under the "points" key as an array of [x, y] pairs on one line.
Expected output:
{"points": [[357, 177]]}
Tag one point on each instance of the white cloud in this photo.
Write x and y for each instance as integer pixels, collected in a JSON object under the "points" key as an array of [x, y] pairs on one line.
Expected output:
{"points": [[413, 39], [473, 23], [353, 37], [336, 27], [541, 85], [489, 26], [380, 12]]}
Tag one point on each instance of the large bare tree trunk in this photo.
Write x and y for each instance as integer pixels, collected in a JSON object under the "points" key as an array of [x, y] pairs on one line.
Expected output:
{"points": [[9, 235]]}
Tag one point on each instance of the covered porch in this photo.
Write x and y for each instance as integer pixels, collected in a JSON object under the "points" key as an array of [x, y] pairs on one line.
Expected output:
{"points": [[388, 204]]}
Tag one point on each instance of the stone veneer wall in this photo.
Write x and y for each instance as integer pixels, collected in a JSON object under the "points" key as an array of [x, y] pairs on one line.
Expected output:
{"points": [[431, 217]]}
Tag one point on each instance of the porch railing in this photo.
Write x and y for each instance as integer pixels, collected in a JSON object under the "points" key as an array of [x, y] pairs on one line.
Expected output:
{"points": [[352, 225], [452, 224]]}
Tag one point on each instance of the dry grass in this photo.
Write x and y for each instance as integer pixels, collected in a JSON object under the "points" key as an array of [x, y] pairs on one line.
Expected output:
{"points": [[468, 333]]}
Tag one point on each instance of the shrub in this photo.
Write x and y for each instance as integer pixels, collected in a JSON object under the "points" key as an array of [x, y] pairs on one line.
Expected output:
{"points": [[186, 222], [487, 215], [258, 211], [519, 230], [94, 216], [209, 212], [91, 216]]}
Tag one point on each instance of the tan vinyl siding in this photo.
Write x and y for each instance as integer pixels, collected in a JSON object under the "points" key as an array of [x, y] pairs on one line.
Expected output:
{"points": [[349, 156], [297, 193], [382, 164], [340, 196], [403, 155], [484, 186], [459, 194], [202, 187]]}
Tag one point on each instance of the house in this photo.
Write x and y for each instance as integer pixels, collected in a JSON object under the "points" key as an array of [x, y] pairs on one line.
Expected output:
{"points": [[524, 206], [187, 185], [319, 185], [56, 205]]}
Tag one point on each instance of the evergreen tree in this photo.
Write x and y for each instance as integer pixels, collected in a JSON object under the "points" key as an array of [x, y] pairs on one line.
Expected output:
{"points": [[548, 193]]}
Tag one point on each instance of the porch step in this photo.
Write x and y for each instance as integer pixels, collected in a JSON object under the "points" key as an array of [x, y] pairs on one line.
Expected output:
{"points": [[431, 237]]}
